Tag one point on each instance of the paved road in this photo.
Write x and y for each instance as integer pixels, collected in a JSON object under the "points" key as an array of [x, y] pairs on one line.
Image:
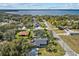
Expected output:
{"points": [[67, 49]]}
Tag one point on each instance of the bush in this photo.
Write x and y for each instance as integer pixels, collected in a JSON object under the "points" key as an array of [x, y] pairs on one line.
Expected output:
{"points": [[54, 50]]}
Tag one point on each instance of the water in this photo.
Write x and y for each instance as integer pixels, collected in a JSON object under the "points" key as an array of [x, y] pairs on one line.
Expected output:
{"points": [[46, 12]]}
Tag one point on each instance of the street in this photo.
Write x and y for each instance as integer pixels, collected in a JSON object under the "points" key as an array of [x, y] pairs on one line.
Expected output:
{"points": [[64, 45]]}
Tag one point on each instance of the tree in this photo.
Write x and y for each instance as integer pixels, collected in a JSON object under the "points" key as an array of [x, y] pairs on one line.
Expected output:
{"points": [[15, 48], [1, 35], [9, 35]]}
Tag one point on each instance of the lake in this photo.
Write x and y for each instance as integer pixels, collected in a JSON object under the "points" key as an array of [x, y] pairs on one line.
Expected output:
{"points": [[46, 12]]}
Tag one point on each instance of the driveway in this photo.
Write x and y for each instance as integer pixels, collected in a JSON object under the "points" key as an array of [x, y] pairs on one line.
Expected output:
{"points": [[34, 52]]}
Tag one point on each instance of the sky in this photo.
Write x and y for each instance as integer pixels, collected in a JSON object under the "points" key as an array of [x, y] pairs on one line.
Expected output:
{"points": [[39, 5]]}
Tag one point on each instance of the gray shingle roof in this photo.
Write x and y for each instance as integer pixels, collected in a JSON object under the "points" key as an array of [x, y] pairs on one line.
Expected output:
{"points": [[39, 41]]}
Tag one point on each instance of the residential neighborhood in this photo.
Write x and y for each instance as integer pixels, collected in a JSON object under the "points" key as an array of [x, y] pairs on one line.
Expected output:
{"points": [[29, 35]]}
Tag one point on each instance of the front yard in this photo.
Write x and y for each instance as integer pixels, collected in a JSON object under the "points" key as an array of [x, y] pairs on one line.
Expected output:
{"points": [[56, 51]]}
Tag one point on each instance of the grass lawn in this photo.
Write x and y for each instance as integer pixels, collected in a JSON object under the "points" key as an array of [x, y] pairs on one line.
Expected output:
{"points": [[58, 31], [44, 52], [73, 41]]}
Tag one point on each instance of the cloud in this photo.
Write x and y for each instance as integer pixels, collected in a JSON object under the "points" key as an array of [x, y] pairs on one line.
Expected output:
{"points": [[39, 5]]}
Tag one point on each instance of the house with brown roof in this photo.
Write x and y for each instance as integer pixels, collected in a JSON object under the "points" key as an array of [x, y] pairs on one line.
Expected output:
{"points": [[23, 33]]}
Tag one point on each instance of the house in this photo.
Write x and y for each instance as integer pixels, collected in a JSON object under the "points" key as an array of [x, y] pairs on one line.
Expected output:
{"points": [[70, 32], [37, 25], [61, 27], [40, 42], [23, 33], [23, 28], [33, 19], [74, 33]]}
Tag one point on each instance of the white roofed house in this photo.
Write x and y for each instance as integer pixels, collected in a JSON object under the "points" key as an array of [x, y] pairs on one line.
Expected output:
{"points": [[74, 33], [71, 32], [21, 27]]}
